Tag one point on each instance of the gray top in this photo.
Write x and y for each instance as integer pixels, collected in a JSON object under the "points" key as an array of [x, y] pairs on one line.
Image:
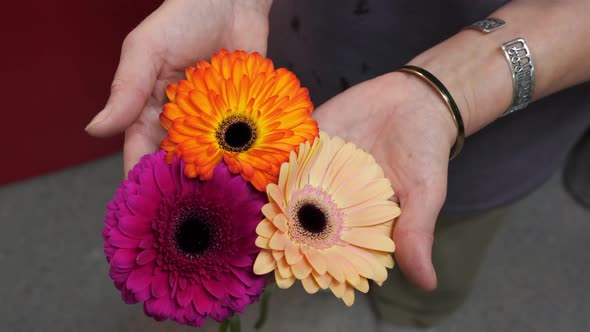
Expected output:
{"points": [[333, 44]]}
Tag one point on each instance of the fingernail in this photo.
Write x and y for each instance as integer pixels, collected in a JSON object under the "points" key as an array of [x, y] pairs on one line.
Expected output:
{"points": [[98, 118]]}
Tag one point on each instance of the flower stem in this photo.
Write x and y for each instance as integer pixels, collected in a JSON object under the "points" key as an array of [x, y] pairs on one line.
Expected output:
{"points": [[224, 325], [234, 324], [264, 306]]}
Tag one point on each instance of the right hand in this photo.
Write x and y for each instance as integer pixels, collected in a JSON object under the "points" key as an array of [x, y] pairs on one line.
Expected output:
{"points": [[156, 53]]}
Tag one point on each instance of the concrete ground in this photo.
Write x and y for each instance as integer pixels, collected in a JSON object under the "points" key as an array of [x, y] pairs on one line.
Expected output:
{"points": [[54, 275]]}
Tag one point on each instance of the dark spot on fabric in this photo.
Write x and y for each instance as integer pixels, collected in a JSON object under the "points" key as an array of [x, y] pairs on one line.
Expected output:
{"points": [[295, 23], [316, 77], [344, 84], [364, 68], [362, 7]]}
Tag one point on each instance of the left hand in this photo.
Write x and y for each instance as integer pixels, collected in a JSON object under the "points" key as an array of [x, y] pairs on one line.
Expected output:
{"points": [[405, 125]]}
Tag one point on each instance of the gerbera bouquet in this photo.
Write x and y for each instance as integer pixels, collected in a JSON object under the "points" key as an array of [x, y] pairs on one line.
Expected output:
{"points": [[245, 185]]}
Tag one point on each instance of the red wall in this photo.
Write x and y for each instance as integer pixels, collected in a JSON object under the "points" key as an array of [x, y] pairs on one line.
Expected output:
{"points": [[57, 61]]}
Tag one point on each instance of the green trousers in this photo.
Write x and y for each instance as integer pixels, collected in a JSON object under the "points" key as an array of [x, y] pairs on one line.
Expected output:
{"points": [[459, 248]]}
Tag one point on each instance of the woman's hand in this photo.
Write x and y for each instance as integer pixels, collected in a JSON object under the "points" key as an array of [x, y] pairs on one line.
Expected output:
{"points": [[407, 127], [157, 52]]}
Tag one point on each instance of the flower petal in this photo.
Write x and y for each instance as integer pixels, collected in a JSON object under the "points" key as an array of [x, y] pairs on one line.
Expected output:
{"points": [[348, 296], [372, 214], [284, 283], [310, 285], [124, 258], [301, 270], [202, 301], [338, 288], [270, 210], [135, 227], [334, 270], [119, 240], [241, 261], [142, 206], [322, 280], [159, 308], [265, 228], [278, 241], [369, 239], [360, 264], [350, 274], [184, 297], [276, 196], [140, 278], [385, 258], [292, 253], [379, 271], [284, 268], [363, 285], [280, 221], [160, 285], [146, 256], [315, 258], [262, 242], [245, 276], [376, 190], [215, 287], [264, 263]]}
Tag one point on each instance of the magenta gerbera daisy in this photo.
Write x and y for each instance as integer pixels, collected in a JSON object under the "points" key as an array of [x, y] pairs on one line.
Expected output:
{"points": [[184, 247]]}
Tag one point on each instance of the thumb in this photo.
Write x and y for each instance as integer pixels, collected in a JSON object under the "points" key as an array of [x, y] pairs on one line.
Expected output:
{"points": [[413, 235], [130, 90]]}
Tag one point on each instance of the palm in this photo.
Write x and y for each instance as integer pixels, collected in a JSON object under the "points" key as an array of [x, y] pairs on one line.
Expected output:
{"points": [[409, 138]]}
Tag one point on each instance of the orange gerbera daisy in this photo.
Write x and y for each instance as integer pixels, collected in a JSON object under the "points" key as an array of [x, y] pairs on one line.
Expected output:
{"points": [[328, 221], [238, 109]]}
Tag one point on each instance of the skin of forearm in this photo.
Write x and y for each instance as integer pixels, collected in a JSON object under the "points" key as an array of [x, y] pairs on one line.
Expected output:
{"points": [[262, 6], [474, 69]]}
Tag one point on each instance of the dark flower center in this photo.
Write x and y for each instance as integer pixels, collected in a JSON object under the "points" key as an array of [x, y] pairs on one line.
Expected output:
{"points": [[236, 133], [312, 218], [193, 235]]}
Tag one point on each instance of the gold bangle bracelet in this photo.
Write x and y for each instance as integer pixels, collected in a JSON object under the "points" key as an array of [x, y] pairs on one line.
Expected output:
{"points": [[446, 96]]}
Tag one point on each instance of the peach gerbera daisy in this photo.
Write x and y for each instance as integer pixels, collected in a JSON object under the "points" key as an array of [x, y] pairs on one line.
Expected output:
{"points": [[328, 221], [238, 109]]}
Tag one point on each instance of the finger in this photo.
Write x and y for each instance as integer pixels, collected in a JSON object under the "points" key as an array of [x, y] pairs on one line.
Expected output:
{"points": [[130, 90], [413, 235], [137, 144], [143, 137]]}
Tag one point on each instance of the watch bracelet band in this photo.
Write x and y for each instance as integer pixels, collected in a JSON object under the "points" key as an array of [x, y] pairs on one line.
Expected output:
{"points": [[522, 69], [437, 85], [520, 61]]}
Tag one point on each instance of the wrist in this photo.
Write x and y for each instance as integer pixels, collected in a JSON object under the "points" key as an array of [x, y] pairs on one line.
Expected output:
{"points": [[476, 74], [418, 103], [261, 7], [249, 25]]}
